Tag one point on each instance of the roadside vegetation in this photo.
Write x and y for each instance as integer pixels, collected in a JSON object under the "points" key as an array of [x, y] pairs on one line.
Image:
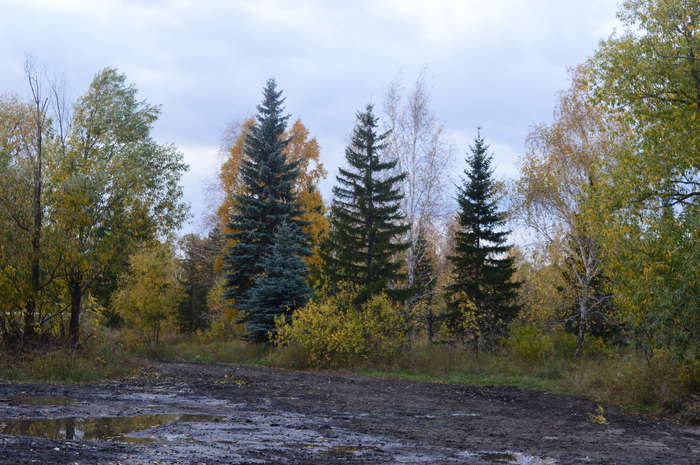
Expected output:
{"points": [[396, 275]]}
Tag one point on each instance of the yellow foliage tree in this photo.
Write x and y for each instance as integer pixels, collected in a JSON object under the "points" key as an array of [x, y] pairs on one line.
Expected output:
{"points": [[150, 293], [228, 176], [225, 320], [543, 293], [648, 77]]}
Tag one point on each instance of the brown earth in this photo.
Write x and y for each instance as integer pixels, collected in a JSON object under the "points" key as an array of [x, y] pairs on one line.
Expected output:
{"points": [[235, 414]]}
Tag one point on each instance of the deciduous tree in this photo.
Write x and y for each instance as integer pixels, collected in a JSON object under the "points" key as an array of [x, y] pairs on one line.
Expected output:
{"points": [[197, 278], [418, 142], [114, 186], [648, 77], [150, 292], [559, 176]]}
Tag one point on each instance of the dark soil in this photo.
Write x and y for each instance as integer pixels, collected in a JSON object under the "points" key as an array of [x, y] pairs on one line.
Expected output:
{"points": [[236, 414]]}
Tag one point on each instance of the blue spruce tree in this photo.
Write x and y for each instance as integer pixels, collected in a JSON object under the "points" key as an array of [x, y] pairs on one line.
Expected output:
{"points": [[267, 201], [283, 287]]}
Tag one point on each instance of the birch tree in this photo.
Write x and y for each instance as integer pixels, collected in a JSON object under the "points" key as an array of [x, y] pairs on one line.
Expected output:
{"points": [[559, 174], [419, 143]]}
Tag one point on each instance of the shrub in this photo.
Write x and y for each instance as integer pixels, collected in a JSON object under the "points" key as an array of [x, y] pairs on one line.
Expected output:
{"points": [[596, 347], [334, 330], [528, 343], [564, 343]]}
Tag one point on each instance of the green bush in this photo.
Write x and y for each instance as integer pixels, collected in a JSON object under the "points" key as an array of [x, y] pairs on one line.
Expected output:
{"points": [[528, 343], [564, 343]]}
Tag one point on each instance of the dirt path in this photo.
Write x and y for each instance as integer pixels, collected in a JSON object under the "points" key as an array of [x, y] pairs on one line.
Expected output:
{"points": [[232, 414]]}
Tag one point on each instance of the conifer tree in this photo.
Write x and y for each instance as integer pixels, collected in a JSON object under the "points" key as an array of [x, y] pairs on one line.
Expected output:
{"points": [[267, 199], [366, 221], [283, 288], [483, 271]]}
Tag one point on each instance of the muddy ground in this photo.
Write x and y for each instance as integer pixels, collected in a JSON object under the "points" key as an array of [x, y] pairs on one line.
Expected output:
{"points": [[178, 413]]}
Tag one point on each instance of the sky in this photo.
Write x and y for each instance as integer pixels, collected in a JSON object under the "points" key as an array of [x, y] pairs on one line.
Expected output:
{"points": [[496, 64]]}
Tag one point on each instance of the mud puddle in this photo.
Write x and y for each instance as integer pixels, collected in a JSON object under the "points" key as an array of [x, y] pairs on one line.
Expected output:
{"points": [[53, 401], [510, 458], [98, 428], [187, 414]]}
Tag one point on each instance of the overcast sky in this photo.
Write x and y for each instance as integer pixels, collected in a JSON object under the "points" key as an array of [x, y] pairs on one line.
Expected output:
{"points": [[497, 64]]}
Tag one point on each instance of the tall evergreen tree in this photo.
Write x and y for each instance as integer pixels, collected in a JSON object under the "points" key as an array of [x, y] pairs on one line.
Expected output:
{"points": [[483, 271], [267, 200], [283, 288], [366, 221]]}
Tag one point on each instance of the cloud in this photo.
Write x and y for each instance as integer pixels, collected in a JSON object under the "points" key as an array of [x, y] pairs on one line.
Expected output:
{"points": [[495, 64]]}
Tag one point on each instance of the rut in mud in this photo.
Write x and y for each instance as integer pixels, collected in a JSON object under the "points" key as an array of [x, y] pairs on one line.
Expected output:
{"points": [[180, 413]]}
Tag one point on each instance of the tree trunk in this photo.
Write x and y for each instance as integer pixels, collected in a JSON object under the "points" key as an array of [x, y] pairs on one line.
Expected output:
{"points": [[76, 302], [29, 332], [35, 268], [582, 323], [429, 321], [70, 428]]}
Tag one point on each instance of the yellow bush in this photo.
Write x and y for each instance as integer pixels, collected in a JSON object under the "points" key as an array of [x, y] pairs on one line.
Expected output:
{"points": [[595, 347], [333, 331]]}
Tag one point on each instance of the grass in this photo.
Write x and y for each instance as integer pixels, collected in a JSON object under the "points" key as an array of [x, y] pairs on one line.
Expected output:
{"points": [[640, 386], [524, 382], [90, 364], [653, 387], [206, 352]]}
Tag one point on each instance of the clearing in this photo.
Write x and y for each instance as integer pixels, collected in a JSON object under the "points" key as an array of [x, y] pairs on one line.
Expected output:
{"points": [[182, 413]]}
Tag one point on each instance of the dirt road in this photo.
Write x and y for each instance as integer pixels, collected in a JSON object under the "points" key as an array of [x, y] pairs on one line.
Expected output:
{"points": [[177, 413]]}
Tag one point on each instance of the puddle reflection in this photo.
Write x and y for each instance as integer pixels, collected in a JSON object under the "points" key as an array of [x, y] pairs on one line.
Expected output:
{"points": [[102, 428], [513, 458], [40, 400]]}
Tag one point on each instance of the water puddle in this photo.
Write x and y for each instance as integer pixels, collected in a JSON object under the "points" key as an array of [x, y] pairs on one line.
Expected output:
{"points": [[39, 400], [349, 451], [511, 458], [101, 428]]}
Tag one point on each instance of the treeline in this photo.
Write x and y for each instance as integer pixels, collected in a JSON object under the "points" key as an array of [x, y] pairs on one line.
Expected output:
{"points": [[609, 190], [83, 187]]}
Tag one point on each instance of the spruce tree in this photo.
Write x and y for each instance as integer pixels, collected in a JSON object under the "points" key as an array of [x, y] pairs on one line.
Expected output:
{"points": [[366, 221], [283, 287], [483, 271], [267, 200]]}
